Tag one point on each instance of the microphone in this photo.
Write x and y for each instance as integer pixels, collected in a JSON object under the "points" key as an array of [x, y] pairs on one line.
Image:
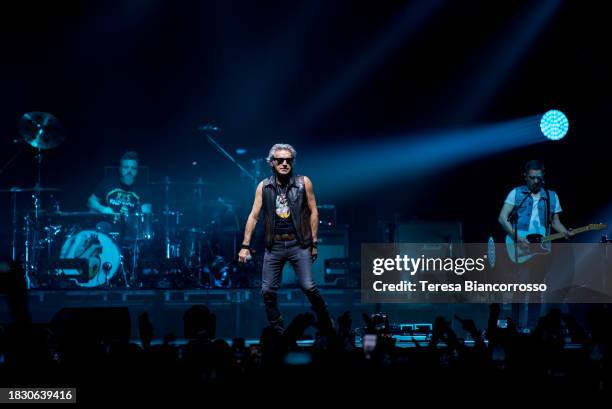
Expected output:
{"points": [[208, 128]]}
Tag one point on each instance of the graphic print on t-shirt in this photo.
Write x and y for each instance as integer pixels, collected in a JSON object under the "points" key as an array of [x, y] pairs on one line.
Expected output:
{"points": [[282, 207], [123, 201]]}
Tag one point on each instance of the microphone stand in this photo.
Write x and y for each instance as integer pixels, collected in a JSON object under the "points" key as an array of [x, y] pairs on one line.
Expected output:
{"points": [[513, 218], [207, 131]]}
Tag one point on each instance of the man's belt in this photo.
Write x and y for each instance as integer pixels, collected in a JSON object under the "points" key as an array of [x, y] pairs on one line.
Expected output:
{"points": [[284, 237]]}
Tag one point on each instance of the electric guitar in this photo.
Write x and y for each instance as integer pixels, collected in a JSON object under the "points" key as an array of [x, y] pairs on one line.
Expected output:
{"points": [[540, 244]]}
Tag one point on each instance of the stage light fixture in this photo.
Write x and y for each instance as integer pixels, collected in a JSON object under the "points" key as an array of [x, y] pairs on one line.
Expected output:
{"points": [[554, 125]]}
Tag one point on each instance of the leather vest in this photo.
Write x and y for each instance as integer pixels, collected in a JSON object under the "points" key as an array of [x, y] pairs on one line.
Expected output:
{"points": [[298, 205]]}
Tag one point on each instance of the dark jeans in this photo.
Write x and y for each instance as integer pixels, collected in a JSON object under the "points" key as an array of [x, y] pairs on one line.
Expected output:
{"points": [[529, 307], [301, 261]]}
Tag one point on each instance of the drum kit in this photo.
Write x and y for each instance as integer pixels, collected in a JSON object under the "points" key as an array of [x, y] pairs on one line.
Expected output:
{"points": [[62, 249]]}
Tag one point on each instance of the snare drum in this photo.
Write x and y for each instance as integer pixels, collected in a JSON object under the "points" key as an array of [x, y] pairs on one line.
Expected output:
{"points": [[101, 251]]}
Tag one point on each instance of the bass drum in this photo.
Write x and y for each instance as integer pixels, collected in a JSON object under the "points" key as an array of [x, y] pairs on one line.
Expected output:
{"points": [[102, 253]]}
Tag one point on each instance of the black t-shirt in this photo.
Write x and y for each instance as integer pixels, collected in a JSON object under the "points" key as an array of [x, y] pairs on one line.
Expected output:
{"points": [[283, 223], [121, 198]]}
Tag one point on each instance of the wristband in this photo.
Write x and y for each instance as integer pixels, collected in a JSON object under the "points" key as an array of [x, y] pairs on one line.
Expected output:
{"points": [[245, 247]]}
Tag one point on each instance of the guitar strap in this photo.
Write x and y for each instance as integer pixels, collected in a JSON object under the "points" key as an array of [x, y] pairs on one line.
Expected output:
{"points": [[548, 215]]}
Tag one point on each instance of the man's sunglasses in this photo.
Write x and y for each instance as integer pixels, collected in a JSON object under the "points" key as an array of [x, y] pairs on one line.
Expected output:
{"points": [[280, 161]]}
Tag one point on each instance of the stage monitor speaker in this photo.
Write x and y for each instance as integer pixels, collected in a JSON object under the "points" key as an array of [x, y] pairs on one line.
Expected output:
{"points": [[333, 243], [427, 239]]}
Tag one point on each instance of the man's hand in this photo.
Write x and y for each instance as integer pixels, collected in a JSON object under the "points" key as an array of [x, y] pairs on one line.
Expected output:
{"points": [[244, 255], [568, 233], [523, 243], [313, 253]]}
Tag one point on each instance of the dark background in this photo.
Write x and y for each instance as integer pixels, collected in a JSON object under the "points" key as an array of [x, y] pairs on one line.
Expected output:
{"points": [[142, 75]]}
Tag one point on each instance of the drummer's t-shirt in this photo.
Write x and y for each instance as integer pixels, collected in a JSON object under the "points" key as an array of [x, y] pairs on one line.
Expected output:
{"points": [[121, 198]]}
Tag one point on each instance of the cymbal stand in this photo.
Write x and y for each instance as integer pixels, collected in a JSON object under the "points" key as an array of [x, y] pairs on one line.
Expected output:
{"points": [[135, 257], [28, 244], [199, 225], [167, 216], [33, 226], [14, 225]]}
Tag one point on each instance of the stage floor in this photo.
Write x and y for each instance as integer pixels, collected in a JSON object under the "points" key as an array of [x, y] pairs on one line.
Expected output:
{"points": [[240, 312]]}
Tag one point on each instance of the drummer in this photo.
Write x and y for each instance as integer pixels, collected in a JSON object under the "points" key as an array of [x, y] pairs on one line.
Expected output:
{"points": [[122, 195]]}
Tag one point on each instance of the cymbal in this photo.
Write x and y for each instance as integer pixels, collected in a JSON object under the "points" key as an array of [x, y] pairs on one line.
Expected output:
{"points": [[41, 130], [30, 189]]}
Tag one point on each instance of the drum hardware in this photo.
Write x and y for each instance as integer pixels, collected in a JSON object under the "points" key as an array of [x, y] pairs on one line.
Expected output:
{"points": [[31, 225], [50, 237], [14, 226], [170, 215], [171, 245], [145, 226], [167, 217], [27, 243], [53, 267], [135, 256], [113, 248], [107, 249], [124, 272], [117, 258], [34, 189], [42, 131]]}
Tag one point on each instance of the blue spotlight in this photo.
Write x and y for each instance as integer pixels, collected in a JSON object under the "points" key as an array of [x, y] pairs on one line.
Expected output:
{"points": [[554, 125], [241, 151], [368, 163]]}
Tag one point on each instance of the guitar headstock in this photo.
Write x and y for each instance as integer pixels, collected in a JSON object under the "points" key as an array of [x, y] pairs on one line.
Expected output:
{"points": [[597, 226]]}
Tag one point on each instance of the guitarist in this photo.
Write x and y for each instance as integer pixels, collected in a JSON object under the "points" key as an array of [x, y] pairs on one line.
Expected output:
{"points": [[531, 209]]}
